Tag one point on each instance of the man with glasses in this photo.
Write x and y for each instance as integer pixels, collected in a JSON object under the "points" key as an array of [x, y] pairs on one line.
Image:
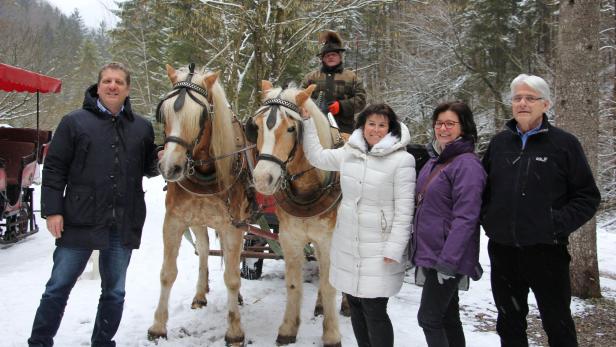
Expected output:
{"points": [[540, 189]]}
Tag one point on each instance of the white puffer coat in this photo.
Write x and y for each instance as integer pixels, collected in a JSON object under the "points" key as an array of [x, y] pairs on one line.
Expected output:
{"points": [[374, 217]]}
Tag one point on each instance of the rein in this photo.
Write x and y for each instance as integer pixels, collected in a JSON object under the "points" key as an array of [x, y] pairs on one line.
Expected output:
{"points": [[181, 89], [316, 202], [191, 164]]}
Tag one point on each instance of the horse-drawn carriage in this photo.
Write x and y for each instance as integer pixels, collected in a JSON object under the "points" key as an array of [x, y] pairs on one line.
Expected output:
{"points": [[22, 150]]}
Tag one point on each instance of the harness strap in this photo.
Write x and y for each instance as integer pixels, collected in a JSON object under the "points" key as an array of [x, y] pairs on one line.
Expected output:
{"points": [[282, 102]]}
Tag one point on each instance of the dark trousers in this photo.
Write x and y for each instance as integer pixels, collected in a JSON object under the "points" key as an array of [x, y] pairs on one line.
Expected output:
{"points": [[371, 324], [439, 311], [68, 265], [545, 270]]}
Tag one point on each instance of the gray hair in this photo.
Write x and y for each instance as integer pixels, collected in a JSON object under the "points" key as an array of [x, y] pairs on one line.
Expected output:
{"points": [[536, 83]]}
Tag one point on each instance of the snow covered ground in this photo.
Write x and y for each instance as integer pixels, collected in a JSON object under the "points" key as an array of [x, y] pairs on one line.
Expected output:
{"points": [[25, 267]]}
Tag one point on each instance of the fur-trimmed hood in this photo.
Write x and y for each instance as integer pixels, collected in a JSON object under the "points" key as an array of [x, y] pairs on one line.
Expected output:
{"points": [[387, 145]]}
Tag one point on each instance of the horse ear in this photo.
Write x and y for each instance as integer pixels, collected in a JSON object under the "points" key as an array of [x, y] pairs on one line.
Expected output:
{"points": [[266, 86], [173, 76], [210, 80], [304, 94]]}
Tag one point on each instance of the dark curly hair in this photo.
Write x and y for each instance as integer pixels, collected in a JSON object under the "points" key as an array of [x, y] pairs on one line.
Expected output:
{"points": [[464, 113], [383, 110]]}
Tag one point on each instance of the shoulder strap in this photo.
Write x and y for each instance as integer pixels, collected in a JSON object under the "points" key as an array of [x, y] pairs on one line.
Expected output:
{"points": [[435, 171]]}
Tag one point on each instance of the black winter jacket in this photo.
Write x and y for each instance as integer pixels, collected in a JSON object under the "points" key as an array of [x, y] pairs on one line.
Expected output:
{"points": [[93, 173], [539, 194]]}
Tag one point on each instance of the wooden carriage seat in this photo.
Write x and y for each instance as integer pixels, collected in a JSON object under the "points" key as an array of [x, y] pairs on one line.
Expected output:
{"points": [[16, 155], [26, 135]]}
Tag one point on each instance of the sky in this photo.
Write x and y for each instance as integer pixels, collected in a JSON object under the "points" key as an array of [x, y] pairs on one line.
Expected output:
{"points": [[93, 12], [26, 266]]}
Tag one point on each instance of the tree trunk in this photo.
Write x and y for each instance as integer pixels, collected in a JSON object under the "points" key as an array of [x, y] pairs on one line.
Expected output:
{"points": [[577, 110]]}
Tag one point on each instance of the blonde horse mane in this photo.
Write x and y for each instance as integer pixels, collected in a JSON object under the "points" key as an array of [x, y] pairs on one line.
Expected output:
{"points": [[320, 120], [222, 138]]}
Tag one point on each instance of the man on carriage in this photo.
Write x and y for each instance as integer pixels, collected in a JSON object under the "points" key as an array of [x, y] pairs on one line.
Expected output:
{"points": [[92, 198], [339, 91]]}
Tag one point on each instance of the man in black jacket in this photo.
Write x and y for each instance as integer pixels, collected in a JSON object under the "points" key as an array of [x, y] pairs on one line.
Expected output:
{"points": [[540, 189], [92, 198]]}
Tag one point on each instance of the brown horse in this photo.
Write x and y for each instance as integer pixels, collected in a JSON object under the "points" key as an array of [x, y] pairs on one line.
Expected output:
{"points": [[306, 198], [204, 165]]}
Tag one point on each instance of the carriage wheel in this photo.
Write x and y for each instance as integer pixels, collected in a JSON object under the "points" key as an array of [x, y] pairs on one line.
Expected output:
{"points": [[251, 268]]}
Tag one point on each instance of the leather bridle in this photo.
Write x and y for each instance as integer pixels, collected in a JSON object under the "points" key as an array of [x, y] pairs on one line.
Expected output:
{"points": [[181, 89]]}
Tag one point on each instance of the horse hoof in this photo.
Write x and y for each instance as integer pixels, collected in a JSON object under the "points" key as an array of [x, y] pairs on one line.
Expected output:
{"points": [[337, 344], [285, 340], [318, 311], [152, 336], [237, 341], [198, 304], [240, 300]]}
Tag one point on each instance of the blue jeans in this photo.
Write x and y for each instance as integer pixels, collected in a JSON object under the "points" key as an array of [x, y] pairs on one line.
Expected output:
{"points": [[68, 265]]}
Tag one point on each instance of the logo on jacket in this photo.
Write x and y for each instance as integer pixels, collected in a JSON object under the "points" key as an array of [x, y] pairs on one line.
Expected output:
{"points": [[541, 159]]}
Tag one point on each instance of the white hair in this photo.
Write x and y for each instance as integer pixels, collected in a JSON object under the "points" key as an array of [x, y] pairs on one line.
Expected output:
{"points": [[536, 83]]}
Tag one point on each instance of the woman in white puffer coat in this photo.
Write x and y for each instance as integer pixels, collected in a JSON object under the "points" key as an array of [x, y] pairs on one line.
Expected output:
{"points": [[373, 226]]}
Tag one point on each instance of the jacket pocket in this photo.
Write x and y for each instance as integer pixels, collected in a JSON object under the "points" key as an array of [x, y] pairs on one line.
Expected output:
{"points": [[383, 226], [80, 206]]}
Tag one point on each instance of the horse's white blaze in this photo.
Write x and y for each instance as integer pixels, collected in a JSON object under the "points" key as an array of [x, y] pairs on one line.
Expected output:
{"points": [[267, 173], [174, 153]]}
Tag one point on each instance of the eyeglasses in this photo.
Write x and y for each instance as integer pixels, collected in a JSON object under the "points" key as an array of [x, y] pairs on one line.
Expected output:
{"points": [[528, 98], [449, 124]]}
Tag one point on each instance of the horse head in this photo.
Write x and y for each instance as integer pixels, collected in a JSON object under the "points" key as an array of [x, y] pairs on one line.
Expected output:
{"points": [[192, 113], [276, 128]]}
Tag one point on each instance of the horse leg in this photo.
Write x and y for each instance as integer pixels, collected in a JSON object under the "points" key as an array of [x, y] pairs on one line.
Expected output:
{"points": [[202, 243], [293, 250], [232, 242], [173, 230], [318, 306], [331, 331], [345, 309]]}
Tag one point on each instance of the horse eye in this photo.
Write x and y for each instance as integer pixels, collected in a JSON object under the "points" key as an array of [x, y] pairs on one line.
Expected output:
{"points": [[291, 129]]}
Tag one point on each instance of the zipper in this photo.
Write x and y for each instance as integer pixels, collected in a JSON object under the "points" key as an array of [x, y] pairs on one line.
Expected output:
{"points": [[383, 223], [516, 191]]}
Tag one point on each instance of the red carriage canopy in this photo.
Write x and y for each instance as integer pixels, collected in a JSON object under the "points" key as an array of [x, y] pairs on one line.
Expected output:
{"points": [[14, 79]]}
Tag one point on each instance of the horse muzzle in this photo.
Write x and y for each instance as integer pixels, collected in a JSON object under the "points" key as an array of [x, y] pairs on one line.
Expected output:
{"points": [[267, 176], [172, 166]]}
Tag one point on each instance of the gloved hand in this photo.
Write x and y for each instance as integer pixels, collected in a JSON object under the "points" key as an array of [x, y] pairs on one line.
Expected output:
{"points": [[334, 108], [441, 277]]}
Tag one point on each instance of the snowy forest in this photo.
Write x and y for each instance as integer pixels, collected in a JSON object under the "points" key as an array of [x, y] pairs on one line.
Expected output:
{"points": [[411, 54]]}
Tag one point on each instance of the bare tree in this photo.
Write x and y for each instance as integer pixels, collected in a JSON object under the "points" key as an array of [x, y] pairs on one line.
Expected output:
{"points": [[577, 109]]}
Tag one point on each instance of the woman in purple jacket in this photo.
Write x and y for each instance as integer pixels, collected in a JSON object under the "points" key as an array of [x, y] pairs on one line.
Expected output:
{"points": [[446, 225]]}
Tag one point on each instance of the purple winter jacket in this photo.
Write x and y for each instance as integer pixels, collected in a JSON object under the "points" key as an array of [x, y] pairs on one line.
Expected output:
{"points": [[446, 225]]}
